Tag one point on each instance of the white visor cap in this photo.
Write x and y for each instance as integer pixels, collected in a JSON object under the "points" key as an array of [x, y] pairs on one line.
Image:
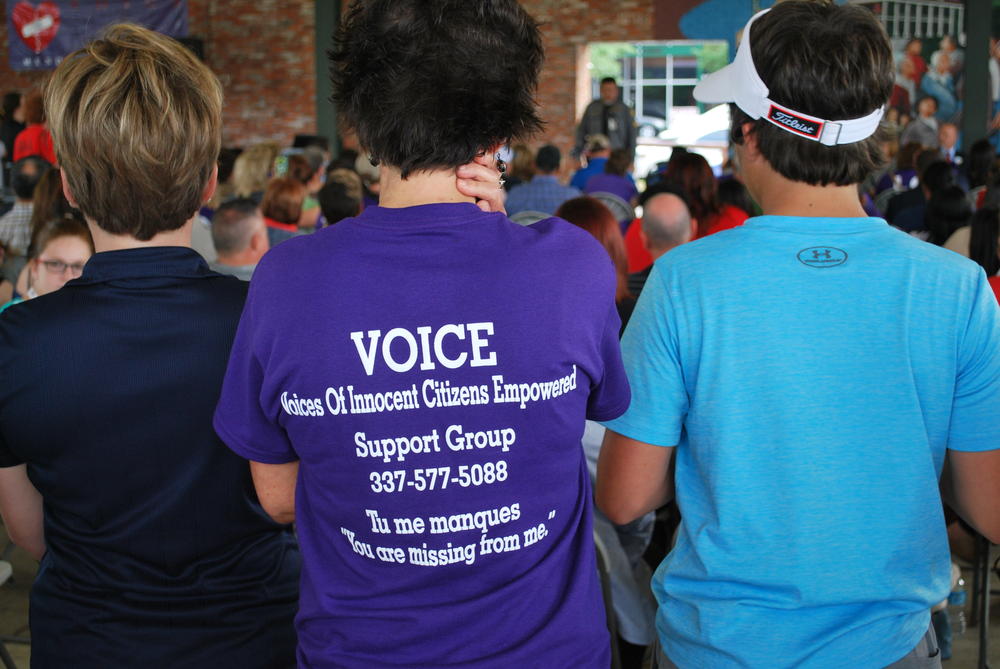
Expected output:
{"points": [[739, 82]]}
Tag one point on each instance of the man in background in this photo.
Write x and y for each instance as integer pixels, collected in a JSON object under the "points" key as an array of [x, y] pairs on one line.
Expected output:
{"points": [[666, 224], [544, 193], [924, 128], [240, 238], [608, 116], [15, 225], [808, 415], [597, 150], [948, 144]]}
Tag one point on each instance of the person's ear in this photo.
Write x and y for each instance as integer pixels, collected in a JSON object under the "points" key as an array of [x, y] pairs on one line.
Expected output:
{"points": [[259, 241], [213, 183], [66, 190], [643, 238], [488, 157], [32, 271], [748, 141], [694, 228]]}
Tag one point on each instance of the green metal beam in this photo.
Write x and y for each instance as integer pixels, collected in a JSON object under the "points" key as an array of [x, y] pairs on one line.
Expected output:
{"points": [[327, 19], [977, 105]]}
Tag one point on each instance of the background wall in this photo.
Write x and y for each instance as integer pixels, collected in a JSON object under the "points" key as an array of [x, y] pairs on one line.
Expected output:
{"points": [[262, 52], [568, 26]]}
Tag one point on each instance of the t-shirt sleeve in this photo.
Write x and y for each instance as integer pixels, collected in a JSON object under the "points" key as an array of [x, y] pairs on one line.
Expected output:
{"points": [[650, 353], [610, 396], [242, 420], [7, 457], [976, 404]]}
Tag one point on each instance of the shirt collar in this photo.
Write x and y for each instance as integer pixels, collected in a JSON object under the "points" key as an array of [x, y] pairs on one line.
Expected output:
{"points": [[817, 224], [287, 227], [152, 261]]}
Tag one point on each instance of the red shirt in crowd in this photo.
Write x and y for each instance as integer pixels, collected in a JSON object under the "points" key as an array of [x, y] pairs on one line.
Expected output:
{"points": [[729, 217], [288, 227], [34, 140], [638, 256], [919, 68], [995, 285]]}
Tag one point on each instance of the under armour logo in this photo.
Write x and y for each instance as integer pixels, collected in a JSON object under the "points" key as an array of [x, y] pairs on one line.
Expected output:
{"points": [[822, 256]]}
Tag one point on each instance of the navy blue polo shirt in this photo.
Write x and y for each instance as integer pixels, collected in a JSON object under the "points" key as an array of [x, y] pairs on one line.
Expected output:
{"points": [[159, 554]]}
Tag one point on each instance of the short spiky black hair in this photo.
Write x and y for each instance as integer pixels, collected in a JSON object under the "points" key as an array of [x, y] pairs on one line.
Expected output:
{"points": [[429, 84]]}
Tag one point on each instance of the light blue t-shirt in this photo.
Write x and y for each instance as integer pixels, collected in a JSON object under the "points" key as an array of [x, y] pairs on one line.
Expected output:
{"points": [[811, 372]]}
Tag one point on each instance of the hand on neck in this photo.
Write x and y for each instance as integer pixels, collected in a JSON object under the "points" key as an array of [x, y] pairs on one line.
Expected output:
{"points": [[429, 187]]}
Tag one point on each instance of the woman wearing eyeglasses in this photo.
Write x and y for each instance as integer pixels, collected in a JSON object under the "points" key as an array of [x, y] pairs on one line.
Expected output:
{"points": [[64, 246]]}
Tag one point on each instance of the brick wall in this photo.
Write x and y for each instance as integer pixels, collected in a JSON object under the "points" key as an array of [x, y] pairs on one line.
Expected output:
{"points": [[262, 52], [567, 27]]}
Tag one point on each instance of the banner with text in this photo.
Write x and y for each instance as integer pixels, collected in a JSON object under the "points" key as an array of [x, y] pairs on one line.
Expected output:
{"points": [[40, 34]]}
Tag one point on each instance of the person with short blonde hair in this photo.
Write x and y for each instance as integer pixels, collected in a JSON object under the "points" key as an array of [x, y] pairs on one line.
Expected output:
{"points": [[165, 107], [155, 551], [252, 169]]}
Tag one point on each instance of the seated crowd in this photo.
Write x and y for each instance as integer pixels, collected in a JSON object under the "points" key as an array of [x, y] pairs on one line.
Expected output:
{"points": [[231, 341]]}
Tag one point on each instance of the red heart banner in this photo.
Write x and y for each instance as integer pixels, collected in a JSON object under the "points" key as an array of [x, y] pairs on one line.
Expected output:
{"points": [[36, 26]]}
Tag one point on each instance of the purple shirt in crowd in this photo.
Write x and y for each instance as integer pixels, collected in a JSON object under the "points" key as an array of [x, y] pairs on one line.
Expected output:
{"points": [[443, 504], [623, 187]]}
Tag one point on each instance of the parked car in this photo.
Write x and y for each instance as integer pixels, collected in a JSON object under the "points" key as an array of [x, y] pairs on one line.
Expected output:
{"points": [[650, 126], [708, 129]]}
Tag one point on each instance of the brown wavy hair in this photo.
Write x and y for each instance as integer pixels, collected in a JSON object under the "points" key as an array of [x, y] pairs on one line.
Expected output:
{"points": [[283, 200], [591, 215]]}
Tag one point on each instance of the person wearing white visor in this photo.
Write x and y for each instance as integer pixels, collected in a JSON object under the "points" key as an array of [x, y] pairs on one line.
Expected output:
{"points": [[801, 384], [739, 82]]}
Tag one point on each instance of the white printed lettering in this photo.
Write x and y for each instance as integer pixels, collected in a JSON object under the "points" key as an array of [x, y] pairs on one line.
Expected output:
{"points": [[479, 344], [367, 357], [459, 332]]}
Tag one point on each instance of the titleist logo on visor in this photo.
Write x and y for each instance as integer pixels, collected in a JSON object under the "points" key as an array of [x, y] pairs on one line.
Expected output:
{"points": [[797, 124]]}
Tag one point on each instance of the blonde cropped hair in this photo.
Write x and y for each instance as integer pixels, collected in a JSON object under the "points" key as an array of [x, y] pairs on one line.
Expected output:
{"points": [[252, 169], [136, 120]]}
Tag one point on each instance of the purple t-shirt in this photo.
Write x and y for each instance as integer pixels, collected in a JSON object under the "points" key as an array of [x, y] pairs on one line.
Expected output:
{"points": [[612, 183], [443, 504]]}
